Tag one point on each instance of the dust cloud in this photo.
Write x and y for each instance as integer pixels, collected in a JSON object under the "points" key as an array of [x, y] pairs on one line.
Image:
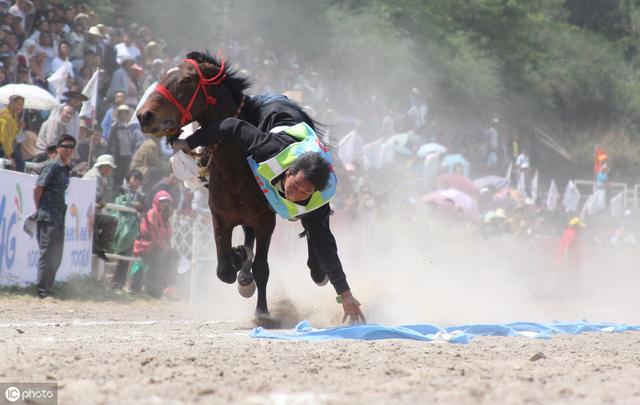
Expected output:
{"points": [[440, 272], [404, 266]]}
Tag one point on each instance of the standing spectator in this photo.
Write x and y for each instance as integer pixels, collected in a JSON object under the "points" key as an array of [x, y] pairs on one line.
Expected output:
{"points": [[17, 31], [22, 9], [94, 42], [27, 51], [602, 177], [127, 232], [125, 79], [154, 246], [48, 196], [45, 45], [119, 99], [38, 73], [76, 40], [568, 252], [10, 125], [148, 160], [94, 146], [153, 73], [41, 26], [61, 58], [121, 144], [104, 225], [170, 184], [127, 50]]}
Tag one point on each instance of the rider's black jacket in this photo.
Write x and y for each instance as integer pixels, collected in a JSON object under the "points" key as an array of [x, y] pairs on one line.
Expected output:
{"points": [[262, 144]]}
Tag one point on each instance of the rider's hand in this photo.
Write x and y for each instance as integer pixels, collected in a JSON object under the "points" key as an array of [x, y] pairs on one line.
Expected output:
{"points": [[180, 144], [351, 308]]}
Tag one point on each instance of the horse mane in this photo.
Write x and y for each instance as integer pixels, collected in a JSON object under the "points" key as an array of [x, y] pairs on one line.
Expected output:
{"points": [[236, 83]]}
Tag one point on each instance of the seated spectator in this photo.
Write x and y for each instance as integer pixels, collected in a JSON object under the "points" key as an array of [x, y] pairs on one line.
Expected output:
{"points": [[10, 126], [54, 127], [22, 75]]}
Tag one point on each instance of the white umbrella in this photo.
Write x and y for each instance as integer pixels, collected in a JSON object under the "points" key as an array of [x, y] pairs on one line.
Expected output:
{"points": [[429, 148], [35, 98]]}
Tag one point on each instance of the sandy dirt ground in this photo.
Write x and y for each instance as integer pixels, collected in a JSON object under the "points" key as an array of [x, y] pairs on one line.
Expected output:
{"points": [[155, 352]]}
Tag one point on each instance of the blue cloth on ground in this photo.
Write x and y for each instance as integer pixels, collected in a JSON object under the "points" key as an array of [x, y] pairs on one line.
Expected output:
{"points": [[428, 333]]}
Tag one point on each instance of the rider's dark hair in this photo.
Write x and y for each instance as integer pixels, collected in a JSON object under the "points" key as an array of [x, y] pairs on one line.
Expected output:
{"points": [[316, 169]]}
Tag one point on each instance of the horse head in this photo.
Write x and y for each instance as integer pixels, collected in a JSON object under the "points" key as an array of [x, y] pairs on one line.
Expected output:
{"points": [[201, 88]]}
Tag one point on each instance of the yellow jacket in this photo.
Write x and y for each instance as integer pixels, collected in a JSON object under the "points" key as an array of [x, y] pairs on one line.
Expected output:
{"points": [[8, 131]]}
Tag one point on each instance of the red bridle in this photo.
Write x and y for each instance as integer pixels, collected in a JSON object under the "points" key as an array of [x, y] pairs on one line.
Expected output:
{"points": [[186, 115]]}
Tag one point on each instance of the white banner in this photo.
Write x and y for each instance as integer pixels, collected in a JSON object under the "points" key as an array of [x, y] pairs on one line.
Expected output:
{"points": [[19, 252]]}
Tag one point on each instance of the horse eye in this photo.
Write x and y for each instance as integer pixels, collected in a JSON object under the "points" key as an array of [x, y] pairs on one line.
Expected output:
{"points": [[186, 80]]}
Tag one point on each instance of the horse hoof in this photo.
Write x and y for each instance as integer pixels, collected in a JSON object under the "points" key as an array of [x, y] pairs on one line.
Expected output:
{"points": [[245, 278], [247, 290], [323, 282], [265, 320], [227, 277]]}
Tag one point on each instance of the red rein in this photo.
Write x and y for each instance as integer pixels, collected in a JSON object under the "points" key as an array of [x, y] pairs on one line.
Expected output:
{"points": [[186, 115]]}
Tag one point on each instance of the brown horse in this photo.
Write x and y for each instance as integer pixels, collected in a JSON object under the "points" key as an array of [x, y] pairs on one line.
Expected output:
{"points": [[203, 89]]}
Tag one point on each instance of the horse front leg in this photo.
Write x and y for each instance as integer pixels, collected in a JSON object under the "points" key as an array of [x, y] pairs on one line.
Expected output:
{"points": [[222, 232], [244, 258], [261, 265]]}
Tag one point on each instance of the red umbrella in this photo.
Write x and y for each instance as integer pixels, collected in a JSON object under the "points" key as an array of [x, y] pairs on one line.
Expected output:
{"points": [[458, 181]]}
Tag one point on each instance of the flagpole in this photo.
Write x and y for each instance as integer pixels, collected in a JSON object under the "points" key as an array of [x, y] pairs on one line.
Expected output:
{"points": [[93, 118]]}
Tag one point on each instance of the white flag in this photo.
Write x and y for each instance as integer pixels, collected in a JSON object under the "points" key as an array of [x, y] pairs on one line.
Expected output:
{"points": [[553, 196], [508, 175], [350, 147], [617, 204], [522, 185], [571, 197], [58, 79], [372, 154], [534, 187], [596, 202], [91, 91]]}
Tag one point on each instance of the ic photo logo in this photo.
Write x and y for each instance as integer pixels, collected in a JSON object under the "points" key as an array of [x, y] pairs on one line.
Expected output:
{"points": [[12, 394], [41, 393]]}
